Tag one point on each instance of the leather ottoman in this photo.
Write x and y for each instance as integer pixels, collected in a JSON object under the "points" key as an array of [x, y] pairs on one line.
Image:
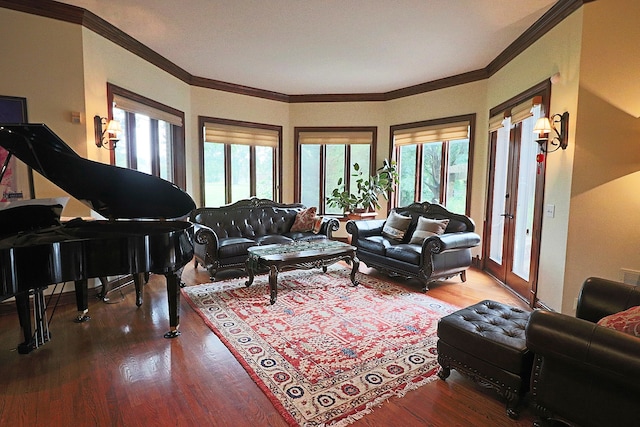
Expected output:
{"points": [[486, 342]]}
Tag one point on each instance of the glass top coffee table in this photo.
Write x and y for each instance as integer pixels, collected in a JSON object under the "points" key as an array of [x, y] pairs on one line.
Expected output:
{"points": [[298, 255]]}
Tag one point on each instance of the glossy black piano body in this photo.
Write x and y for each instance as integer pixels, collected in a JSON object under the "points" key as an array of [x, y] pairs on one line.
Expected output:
{"points": [[140, 236]]}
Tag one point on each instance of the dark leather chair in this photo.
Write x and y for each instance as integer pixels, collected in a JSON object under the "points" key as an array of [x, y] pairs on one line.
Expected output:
{"points": [[586, 374]]}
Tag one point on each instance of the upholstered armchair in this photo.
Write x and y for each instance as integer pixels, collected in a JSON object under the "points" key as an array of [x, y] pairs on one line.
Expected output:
{"points": [[583, 372]]}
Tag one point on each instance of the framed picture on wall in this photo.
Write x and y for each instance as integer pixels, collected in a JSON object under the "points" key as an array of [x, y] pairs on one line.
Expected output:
{"points": [[17, 182]]}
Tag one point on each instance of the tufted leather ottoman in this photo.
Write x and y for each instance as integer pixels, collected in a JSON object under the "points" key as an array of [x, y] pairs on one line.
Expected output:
{"points": [[486, 342]]}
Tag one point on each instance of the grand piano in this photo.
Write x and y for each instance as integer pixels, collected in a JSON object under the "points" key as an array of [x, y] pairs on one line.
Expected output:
{"points": [[143, 231]]}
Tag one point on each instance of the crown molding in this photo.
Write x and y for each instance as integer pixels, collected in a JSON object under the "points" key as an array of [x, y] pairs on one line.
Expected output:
{"points": [[77, 15]]}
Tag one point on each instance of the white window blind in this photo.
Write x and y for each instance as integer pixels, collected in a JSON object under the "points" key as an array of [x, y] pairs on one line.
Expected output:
{"points": [[517, 113], [338, 137], [154, 113], [435, 133], [496, 122], [239, 135]]}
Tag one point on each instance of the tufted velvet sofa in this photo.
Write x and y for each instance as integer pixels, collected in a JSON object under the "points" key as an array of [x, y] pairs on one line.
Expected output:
{"points": [[583, 372], [223, 234], [438, 257]]}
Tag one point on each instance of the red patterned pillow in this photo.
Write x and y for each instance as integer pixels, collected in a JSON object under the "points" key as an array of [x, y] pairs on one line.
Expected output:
{"points": [[305, 220], [626, 321]]}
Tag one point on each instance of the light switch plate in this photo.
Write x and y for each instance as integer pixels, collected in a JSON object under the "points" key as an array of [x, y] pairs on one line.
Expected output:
{"points": [[550, 211]]}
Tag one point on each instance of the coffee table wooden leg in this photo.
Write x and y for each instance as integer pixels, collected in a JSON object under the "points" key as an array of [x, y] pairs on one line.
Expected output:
{"points": [[273, 283], [354, 269], [248, 266]]}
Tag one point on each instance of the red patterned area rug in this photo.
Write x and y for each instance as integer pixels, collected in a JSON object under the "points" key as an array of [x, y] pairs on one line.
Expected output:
{"points": [[326, 352]]}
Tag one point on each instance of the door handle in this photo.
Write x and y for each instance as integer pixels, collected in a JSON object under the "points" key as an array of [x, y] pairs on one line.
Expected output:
{"points": [[507, 215]]}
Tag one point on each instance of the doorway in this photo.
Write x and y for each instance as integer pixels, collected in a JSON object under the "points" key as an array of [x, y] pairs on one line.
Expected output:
{"points": [[515, 199]]}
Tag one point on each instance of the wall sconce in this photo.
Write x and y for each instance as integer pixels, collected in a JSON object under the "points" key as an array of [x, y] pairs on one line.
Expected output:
{"points": [[544, 125], [106, 132]]}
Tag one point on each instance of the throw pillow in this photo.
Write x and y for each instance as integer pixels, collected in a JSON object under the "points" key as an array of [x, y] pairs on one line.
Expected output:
{"points": [[396, 226], [317, 224], [627, 321], [428, 227], [304, 220]]}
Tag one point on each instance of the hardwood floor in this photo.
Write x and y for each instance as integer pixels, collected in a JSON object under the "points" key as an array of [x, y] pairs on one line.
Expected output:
{"points": [[118, 370]]}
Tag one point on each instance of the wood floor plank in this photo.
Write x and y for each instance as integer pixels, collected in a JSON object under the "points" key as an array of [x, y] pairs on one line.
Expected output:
{"points": [[118, 370]]}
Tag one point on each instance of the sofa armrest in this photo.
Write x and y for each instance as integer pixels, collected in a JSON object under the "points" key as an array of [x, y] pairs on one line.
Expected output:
{"points": [[329, 225], [601, 297], [364, 228], [450, 241], [584, 345], [204, 235]]}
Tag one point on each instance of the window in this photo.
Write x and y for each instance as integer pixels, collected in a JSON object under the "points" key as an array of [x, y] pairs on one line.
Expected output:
{"points": [[433, 162], [152, 140], [239, 160], [324, 155]]}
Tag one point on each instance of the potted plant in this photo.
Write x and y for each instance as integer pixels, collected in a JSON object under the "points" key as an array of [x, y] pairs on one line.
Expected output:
{"points": [[368, 190]]}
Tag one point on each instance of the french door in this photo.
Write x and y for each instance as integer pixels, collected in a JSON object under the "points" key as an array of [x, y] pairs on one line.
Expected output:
{"points": [[514, 208]]}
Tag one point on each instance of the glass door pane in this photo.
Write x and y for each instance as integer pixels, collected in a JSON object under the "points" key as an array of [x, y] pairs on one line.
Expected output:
{"points": [[526, 202], [499, 196]]}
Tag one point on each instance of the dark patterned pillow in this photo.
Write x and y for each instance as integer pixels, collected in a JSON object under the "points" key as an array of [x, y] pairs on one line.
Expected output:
{"points": [[396, 226], [305, 220]]}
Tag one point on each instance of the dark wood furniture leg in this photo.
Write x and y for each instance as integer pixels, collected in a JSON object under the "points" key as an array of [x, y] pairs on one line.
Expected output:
{"points": [[354, 269], [273, 283], [173, 294], [249, 269]]}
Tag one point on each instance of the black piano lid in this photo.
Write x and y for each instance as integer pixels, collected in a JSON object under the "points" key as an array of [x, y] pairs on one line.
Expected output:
{"points": [[111, 191]]}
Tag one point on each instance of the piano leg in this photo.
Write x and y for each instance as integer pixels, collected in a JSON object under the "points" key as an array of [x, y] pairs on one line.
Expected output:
{"points": [[24, 315], [42, 335], [173, 294], [138, 282], [82, 300]]}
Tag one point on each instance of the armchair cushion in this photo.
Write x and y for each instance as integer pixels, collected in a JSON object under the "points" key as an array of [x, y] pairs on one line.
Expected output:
{"points": [[396, 226], [627, 321], [428, 227]]}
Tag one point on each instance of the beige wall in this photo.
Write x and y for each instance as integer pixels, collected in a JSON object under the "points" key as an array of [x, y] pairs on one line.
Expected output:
{"points": [[604, 221], [63, 67], [42, 61]]}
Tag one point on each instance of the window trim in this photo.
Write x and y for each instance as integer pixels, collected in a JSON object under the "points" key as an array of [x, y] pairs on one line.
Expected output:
{"points": [[471, 118], [329, 129], [277, 173], [178, 137]]}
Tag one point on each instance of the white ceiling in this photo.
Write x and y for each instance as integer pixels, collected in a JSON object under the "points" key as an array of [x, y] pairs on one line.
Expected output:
{"points": [[299, 47]]}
